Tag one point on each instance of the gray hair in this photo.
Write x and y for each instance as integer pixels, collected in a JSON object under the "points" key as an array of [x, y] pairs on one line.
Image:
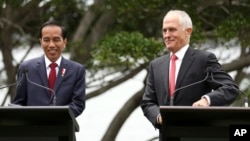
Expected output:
{"points": [[184, 18]]}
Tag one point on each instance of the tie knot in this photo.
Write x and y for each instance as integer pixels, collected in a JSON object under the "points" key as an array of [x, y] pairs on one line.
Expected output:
{"points": [[53, 65], [174, 57]]}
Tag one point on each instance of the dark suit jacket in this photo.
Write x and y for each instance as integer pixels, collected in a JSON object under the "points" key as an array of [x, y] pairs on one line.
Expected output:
{"points": [[194, 68], [69, 87]]}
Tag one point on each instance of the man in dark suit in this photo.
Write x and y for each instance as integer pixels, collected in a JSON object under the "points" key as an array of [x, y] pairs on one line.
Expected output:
{"points": [[214, 88], [69, 87]]}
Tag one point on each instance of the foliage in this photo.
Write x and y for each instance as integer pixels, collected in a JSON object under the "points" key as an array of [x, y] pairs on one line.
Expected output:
{"points": [[22, 18], [125, 49], [143, 16], [67, 12], [235, 26]]}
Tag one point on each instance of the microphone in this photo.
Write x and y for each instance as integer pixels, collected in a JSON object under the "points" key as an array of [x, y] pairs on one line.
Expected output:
{"points": [[51, 90], [241, 92], [9, 85], [189, 85]]}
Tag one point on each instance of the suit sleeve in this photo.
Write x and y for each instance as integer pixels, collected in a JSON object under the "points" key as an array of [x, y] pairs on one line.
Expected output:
{"points": [[77, 104], [224, 88], [20, 97], [149, 104]]}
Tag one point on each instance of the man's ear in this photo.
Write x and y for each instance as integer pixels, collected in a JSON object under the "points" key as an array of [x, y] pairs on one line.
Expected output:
{"points": [[65, 42], [188, 31]]}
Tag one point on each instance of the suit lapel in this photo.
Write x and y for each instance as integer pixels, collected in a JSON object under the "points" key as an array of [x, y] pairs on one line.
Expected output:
{"points": [[166, 76], [186, 64], [61, 72], [41, 70]]}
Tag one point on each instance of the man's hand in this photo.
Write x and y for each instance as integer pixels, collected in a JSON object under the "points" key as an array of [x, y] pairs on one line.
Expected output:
{"points": [[201, 103], [159, 119]]}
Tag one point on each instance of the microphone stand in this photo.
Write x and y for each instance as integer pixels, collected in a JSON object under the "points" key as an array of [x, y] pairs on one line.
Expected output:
{"points": [[9, 85], [172, 97], [52, 91]]}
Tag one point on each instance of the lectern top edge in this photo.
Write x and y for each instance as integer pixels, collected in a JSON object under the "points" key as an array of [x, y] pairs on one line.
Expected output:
{"points": [[11, 111], [204, 108]]}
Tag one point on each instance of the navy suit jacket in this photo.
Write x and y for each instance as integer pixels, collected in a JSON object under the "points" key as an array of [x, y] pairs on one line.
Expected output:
{"points": [[69, 87], [195, 66]]}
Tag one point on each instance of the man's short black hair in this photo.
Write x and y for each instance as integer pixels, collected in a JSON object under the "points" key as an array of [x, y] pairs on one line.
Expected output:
{"points": [[56, 23]]}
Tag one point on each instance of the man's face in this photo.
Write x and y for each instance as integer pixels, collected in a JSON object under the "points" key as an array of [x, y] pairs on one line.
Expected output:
{"points": [[52, 42], [174, 36]]}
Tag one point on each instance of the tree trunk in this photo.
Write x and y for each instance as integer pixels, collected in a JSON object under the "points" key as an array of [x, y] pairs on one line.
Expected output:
{"points": [[122, 116], [91, 28], [9, 67]]}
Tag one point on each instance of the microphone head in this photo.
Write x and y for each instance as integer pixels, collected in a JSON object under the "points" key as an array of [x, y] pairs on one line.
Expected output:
{"points": [[209, 70], [25, 70]]}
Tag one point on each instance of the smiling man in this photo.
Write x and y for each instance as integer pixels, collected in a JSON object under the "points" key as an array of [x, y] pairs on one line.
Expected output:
{"points": [[51, 79], [185, 76]]}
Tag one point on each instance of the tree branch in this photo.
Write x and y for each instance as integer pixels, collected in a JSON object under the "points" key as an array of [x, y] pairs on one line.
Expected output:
{"points": [[116, 82]]}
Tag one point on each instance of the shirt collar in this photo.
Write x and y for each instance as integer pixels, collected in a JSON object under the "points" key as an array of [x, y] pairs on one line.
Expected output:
{"points": [[48, 62], [180, 53]]}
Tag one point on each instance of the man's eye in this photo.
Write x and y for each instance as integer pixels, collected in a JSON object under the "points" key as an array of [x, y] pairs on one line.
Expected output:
{"points": [[57, 39], [172, 29], [169, 30]]}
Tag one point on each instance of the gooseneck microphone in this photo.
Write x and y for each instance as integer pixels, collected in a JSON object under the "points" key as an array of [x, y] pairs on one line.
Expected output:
{"points": [[241, 92], [189, 85], [9, 85], [51, 90]]}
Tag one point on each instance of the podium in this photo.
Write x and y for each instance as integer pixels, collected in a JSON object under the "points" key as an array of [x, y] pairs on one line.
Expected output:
{"points": [[182, 123], [37, 123]]}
